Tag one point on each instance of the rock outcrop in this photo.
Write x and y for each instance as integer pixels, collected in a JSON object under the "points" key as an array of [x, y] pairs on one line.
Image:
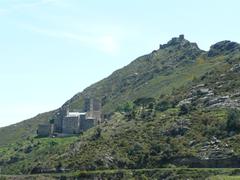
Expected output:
{"points": [[223, 48]]}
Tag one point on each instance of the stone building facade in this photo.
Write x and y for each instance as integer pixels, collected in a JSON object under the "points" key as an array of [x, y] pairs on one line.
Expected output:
{"points": [[71, 123], [74, 122], [45, 130]]}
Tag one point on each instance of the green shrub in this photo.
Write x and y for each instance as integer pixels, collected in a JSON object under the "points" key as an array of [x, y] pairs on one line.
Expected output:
{"points": [[127, 107], [97, 134], [163, 105], [233, 121], [184, 109], [144, 101]]}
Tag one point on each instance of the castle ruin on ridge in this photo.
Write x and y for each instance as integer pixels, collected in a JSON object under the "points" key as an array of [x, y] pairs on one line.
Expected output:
{"points": [[74, 122]]}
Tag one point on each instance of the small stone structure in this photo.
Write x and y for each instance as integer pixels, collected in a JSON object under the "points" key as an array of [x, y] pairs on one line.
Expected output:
{"points": [[74, 122], [44, 130]]}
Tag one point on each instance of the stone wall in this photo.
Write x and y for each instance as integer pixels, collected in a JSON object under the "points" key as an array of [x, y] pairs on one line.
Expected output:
{"points": [[96, 115], [58, 119], [92, 105], [71, 125], [86, 124], [44, 130]]}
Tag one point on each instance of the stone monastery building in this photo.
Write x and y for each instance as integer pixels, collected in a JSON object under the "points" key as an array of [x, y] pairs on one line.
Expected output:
{"points": [[74, 122]]}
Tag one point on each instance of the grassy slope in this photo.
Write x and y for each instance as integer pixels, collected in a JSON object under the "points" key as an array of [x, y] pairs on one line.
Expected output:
{"points": [[22, 130], [122, 144], [146, 76]]}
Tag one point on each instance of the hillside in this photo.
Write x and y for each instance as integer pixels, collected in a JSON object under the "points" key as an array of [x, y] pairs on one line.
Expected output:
{"points": [[145, 76], [170, 67], [175, 107], [23, 130]]}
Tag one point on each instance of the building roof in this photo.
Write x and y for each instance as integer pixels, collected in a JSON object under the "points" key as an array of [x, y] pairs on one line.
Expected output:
{"points": [[75, 114], [90, 118]]}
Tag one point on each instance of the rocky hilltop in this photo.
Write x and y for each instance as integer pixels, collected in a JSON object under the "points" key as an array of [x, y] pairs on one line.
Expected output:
{"points": [[177, 106]]}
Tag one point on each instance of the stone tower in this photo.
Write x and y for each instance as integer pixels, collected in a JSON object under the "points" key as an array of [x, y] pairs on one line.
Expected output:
{"points": [[93, 109]]}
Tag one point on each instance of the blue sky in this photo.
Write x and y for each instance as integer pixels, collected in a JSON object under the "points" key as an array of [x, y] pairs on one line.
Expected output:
{"points": [[52, 49]]}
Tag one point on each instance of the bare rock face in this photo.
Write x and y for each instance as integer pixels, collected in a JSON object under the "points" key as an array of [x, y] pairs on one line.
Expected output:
{"points": [[213, 154], [179, 128], [235, 68], [224, 48]]}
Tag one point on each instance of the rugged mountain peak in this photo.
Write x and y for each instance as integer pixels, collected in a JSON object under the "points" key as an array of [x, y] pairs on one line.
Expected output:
{"points": [[179, 42], [223, 47]]}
